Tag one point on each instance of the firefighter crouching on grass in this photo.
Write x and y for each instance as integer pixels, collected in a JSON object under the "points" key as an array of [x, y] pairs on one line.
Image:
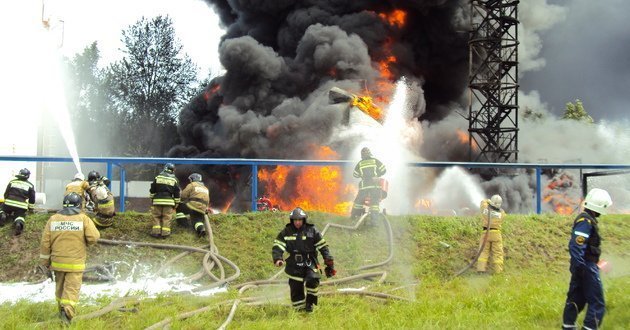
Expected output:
{"points": [[63, 250], [165, 198], [584, 247], [302, 241], [19, 197], [102, 198], [369, 169], [195, 199], [492, 217]]}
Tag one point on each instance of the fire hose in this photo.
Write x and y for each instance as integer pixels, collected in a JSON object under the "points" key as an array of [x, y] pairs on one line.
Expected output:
{"points": [[483, 244]]}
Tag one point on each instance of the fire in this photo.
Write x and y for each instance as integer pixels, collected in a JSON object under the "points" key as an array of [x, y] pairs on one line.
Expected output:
{"points": [[318, 188], [396, 18], [210, 91], [464, 138], [556, 193]]}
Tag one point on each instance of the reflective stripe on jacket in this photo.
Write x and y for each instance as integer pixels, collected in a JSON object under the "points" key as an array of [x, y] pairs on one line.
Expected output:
{"points": [[20, 194]]}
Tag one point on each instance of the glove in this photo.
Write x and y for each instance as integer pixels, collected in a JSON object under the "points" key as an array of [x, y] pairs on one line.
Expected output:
{"points": [[330, 268]]}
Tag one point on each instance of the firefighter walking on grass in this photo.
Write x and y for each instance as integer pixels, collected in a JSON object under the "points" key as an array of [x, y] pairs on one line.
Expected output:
{"points": [[369, 169], [164, 198], [492, 218], [63, 250], [195, 199], [302, 241], [19, 197], [584, 247]]}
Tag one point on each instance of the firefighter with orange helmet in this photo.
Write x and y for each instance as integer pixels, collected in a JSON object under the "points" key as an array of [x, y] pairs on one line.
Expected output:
{"points": [[302, 241], [165, 197], [492, 216], [195, 199], [19, 197], [79, 186], [63, 250], [369, 169], [584, 247]]}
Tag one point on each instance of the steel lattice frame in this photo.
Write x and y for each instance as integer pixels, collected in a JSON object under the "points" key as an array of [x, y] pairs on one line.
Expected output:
{"points": [[493, 81]]}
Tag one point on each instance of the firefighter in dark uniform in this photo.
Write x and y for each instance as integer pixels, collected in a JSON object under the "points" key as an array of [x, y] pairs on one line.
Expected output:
{"points": [[164, 198], [369, 169], [195, 199], [301, 240], [19, 197], [584, 247], [64, 250]]}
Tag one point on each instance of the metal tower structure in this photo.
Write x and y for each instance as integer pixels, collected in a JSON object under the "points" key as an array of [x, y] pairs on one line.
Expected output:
{"points": [[493, 81]]}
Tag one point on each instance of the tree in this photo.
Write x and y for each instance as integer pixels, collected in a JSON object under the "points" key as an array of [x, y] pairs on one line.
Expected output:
{"points": [[149, 85], [576, 112]]}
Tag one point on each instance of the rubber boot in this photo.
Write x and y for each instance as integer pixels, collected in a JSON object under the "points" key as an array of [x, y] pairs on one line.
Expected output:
{"points": [[308, 308], [19, 227], [64, 317], [201, 231]]}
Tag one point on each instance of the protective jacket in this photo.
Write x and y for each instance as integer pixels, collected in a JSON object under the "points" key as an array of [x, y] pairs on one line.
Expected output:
{"points": [[196, 196], [492, 218], [584, 246], [302, 245], [20, 194], [367, 170], [77, 186], [102, 197], [65, 238], [165, 189]]}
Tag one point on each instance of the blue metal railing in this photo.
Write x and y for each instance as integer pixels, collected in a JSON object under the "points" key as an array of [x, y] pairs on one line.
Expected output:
{"points": [[254, 163]]}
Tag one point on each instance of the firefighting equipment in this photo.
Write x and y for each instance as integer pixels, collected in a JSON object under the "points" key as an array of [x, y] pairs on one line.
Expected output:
{"points": [[492, 240], [496, 201], [24, 174], [195, 199], [93, 176], [369, 170], [79, 176], [298, 214], [330, 270], [195, 177], [585, 286], [366, 153], [302, 266], [103, 201], [598, 200], [72, 200], [169, 168], [46, 272], [63, 248]]}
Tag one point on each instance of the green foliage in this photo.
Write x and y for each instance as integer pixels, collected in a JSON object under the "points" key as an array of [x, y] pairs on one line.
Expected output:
{"points": [[149, 84], [428, 250], [576, 112]]}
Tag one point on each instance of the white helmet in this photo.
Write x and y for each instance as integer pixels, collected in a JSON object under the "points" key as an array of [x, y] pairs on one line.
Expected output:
{"points": [[79, 176], [598, 200], [496, 201]]}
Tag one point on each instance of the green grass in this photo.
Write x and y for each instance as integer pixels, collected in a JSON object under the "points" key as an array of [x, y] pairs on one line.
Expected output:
{"points": [[428, 251]]}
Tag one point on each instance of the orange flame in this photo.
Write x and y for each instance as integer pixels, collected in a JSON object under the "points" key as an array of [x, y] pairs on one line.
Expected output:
{"points": [[464, 138], [396, 18], [556, 195], [364, 103], [318, 188]]}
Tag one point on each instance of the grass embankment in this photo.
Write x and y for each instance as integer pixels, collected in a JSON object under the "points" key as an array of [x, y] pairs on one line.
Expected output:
{"points": [[428, 251]]}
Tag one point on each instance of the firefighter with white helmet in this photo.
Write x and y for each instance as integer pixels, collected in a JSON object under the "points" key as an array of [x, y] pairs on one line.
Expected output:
{"points": [[584, 247], [63, 249], [195, 199], [102, 199], [492, 216], [19, 197], [302, 241], [79, 186]]}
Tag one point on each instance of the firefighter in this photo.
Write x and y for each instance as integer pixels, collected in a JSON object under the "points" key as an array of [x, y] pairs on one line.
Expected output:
{"points": [[164, 198], [584, 247], [102, 199], [195, 199], [492, 216], [79, 186], [63, 250], [301, 240], [19, 197], [369, 169]]}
